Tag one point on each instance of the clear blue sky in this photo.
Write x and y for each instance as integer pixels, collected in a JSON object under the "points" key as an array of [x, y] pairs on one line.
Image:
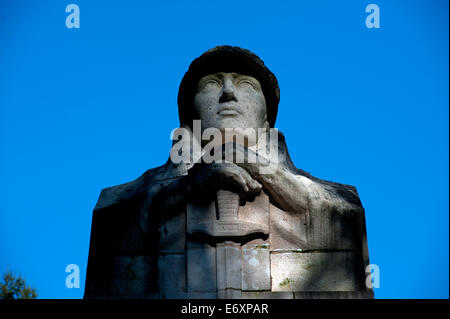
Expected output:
{"points": [[83, 109]]}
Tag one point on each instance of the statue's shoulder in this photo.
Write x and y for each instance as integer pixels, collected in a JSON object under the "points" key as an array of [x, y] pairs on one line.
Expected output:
{"points": [[343, 191], [346, 192], [115, 195]]}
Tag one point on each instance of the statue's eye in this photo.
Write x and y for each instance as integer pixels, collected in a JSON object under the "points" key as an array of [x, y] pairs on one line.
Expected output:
{"points": [[246, 83], [211, 82]]}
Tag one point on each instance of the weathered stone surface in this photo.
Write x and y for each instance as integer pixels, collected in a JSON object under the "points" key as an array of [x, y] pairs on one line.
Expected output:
{"points": [[257, 211], [334, 295], [229, 293], [131, 272], [228, 266], [335, 227], [185, 295], [200, 217], [172, 275], [173, 234], [201, 269], [316, 271], [197, 295], [287, 231], [267, 295], [256, 267]]}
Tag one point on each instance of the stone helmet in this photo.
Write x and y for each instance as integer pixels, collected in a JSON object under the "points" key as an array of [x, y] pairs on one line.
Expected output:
{"points": [[226, 58]]}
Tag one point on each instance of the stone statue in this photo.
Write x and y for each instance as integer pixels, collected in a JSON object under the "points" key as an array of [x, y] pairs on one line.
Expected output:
{"points": [[224, 228]]}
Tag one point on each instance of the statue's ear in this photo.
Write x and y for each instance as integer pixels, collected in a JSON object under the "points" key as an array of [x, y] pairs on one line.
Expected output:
{"points": [[266, 125]]}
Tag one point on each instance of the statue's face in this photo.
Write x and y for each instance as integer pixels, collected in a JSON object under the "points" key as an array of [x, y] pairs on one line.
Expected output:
{"points": [[230, 100]]}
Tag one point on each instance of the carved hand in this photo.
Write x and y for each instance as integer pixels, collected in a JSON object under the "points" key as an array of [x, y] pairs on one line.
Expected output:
{"points": [[233, 151], [207, 179], [286, 190]]}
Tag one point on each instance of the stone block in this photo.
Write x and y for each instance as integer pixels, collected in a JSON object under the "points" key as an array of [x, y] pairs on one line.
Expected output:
{"points": [[267, 295], [228, 266], [257, 211], [201, 269], [334, 295], [196, 295], [333, 227], [172, 274], [256, 267], [287, 230], [229, 294], [200, 217], [316, 271], [131, 276]]}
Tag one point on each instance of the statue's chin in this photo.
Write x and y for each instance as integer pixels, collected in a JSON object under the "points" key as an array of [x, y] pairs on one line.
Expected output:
{"points": [[235, 124], [229, 122], [232, 123]]}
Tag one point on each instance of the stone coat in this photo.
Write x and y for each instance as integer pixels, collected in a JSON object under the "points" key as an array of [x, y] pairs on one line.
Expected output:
{"points": [[138, 252]]}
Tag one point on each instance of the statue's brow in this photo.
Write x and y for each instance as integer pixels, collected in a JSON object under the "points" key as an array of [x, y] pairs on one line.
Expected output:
{"points": [[215, 75], [221, 75]]}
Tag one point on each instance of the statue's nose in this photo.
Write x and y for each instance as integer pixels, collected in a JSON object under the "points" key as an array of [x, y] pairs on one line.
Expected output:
{"points": [[227, 92]]}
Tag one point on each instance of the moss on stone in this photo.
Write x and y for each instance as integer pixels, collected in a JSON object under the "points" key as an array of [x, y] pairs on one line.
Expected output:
{"points": [[285, 282]]}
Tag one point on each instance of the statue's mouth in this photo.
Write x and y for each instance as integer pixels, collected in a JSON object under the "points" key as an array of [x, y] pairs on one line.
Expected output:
{"points": [[228, 110]]}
